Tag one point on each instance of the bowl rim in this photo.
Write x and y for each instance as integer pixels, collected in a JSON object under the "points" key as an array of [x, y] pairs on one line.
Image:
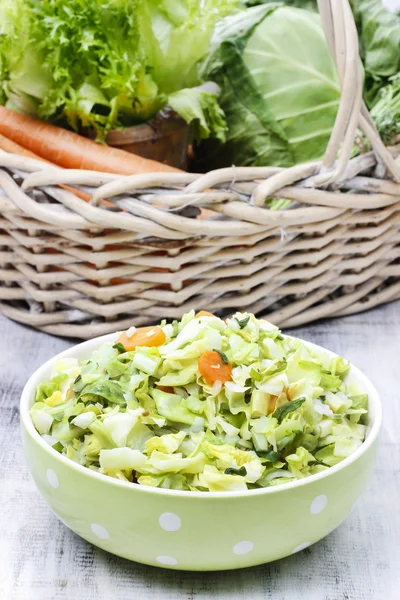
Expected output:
{"points": [[92, 344]]}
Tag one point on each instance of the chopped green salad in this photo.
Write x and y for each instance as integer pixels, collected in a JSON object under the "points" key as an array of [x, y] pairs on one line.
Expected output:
{"points": [[203, 404]]}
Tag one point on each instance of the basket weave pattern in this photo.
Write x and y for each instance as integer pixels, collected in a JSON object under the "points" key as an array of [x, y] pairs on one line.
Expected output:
{"points": [[148, 247]]}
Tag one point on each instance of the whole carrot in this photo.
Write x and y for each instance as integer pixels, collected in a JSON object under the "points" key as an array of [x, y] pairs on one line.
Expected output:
{"points": [[9, 146], [70, 150]]}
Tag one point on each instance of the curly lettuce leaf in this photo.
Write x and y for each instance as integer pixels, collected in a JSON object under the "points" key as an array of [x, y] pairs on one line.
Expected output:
{"points": [[107, 64]]}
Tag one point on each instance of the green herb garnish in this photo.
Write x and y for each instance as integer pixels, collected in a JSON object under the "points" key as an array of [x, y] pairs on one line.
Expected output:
{"points": [[271, 456], [223, 356], [243, 322], [232, 471], [283, 410], [121, 349]]}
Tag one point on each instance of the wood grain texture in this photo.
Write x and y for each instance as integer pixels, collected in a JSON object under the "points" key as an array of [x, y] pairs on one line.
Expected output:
{"points": [[40, 559]]}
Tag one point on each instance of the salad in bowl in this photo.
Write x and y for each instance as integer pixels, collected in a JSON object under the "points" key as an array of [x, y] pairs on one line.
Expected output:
{"points": [[203, 405]]}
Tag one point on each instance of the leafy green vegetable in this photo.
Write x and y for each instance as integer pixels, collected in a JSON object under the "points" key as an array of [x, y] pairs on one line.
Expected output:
{"points": [[359, 401], [379, 34], [282, 411], [271, 456], [386, 111], [45, 390], [120, 348], [148, 416], [171, 407], [104, 388], [232, 471], [201, 109], [306, 4], [280, 99], [243, 322], [223, 356], [108, 63], [175, 327], [299, 462], [122, 458], [102, 434]]}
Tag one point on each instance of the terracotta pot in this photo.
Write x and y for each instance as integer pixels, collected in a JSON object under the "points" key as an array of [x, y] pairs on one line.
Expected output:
{"points": [[165, 139]]}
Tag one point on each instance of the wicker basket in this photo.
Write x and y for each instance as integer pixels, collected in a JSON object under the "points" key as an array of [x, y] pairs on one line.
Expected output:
{"points": [[153, 246]]}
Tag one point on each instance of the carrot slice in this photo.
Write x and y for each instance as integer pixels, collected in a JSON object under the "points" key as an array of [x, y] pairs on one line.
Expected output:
{"points": [[165, 388], [71, 150], [203, 313], [213, 368], [145, 336]]}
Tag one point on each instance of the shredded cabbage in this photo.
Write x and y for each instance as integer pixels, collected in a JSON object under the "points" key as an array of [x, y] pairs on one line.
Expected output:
{"points": [[283, 411]]}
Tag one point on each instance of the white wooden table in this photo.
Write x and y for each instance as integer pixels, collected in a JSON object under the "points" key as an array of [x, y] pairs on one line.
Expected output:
{"points": [[40, 559]]}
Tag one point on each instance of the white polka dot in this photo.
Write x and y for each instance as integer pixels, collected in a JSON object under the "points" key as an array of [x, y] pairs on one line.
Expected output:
{"points": [[170, 522], [243, 547], [318, 504], [167, 560], [52, 478], [100, 531], [301, 547]]}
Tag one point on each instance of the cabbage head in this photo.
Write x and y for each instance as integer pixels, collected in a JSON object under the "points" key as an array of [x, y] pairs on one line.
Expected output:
{"points": [[279, 87]]}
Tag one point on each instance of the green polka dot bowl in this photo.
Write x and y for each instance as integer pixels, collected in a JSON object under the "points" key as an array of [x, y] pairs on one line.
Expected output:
{"points": [[197, 531]]}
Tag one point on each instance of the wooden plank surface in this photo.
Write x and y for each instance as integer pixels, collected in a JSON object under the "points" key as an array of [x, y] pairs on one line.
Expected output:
{"points": [[40, 559]]}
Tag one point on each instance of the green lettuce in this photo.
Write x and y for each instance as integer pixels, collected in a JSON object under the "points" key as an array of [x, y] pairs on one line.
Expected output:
{"points": [[107, 64]]}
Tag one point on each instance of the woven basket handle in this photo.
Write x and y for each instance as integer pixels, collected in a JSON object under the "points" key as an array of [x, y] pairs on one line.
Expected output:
{"points": [[341, 34]]}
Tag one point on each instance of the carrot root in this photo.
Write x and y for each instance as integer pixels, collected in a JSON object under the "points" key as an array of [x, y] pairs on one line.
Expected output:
{"points": [[70, 150]]}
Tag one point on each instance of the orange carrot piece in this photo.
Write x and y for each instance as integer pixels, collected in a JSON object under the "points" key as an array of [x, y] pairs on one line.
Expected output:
{"points": [[203, 313], [144, 336], [70, 150], [165, 388], [9, 146], [213, 368], [66, 149]]}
